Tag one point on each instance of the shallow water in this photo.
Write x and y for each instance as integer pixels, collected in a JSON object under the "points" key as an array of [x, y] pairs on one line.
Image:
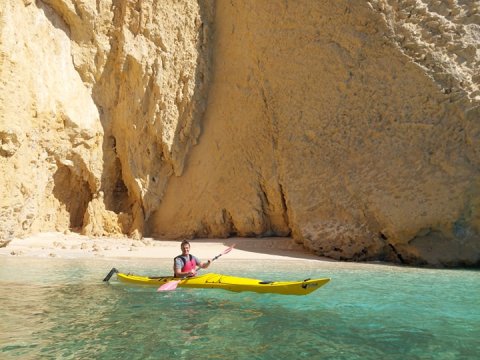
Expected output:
{"points": [[53, 308]]}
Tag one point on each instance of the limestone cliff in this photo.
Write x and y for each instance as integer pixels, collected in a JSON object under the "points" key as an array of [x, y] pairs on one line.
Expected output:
{"points": [[352, 126]]}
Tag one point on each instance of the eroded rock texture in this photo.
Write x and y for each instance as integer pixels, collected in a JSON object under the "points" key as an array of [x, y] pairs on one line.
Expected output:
{"points": [[352, 126]]}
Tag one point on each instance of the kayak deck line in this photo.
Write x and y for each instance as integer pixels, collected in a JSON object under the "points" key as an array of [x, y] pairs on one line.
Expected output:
{"points": [[226, 282]]}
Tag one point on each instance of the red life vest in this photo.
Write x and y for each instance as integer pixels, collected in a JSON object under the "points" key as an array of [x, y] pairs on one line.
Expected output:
{"points": [[189, 265]]}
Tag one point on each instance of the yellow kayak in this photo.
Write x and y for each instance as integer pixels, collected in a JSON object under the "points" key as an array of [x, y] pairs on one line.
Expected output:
{"points": [[227, 282]]}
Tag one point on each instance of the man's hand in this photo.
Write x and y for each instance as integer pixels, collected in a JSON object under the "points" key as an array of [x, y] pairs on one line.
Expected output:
{"points": [[192, 273]]}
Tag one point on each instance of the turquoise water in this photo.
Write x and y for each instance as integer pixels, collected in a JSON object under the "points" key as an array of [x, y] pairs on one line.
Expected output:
{"points": [[60, 309]]}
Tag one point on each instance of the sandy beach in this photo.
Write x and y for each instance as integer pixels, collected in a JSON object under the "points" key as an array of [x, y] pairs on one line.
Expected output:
{"points": [[59, 245]]}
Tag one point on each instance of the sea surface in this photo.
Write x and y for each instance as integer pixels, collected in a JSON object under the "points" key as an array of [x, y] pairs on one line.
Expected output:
{"points": [[61, 309]]}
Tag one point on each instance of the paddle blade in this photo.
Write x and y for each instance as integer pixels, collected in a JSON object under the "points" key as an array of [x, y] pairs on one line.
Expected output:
{"points": [[110, 274], [169, 286], [226, 251]]}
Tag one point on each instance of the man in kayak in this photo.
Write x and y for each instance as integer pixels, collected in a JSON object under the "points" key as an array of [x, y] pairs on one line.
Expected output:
{"points": [[185, 265]]}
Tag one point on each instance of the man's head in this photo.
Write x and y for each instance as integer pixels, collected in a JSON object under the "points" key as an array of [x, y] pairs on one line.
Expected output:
{"points": [[185, 246]]}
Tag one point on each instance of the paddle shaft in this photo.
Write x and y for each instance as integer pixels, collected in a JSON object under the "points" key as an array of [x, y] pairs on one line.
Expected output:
{"points": [[216, 257]]}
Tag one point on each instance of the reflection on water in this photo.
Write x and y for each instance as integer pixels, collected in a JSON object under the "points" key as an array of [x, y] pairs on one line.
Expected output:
{"points": [[61, 309]]}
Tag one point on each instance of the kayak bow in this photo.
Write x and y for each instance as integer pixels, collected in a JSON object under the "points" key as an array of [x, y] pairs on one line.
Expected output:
{"points": [[227, 282]]}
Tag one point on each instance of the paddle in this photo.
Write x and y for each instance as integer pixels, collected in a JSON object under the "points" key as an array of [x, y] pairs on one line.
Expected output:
{"points": [[110, 274], [172, 285]]}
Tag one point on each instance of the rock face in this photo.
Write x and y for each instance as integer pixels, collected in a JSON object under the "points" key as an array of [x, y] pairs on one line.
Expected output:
{"points": [[352, 126]]}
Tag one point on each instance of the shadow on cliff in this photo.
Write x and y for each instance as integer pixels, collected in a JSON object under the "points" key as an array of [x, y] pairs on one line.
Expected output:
{"points": [[120, 184], [74, 193], [70, 188], [121, 81]]}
